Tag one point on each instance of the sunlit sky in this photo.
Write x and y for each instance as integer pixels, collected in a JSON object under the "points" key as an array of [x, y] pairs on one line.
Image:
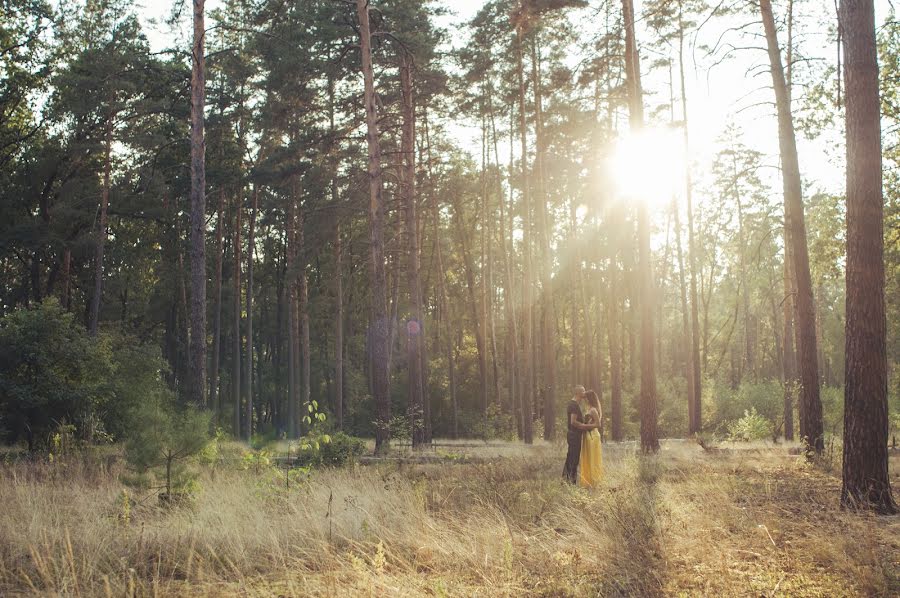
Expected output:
{"points": [[734, 92]]}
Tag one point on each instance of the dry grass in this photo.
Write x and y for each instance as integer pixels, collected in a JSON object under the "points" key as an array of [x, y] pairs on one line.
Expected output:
{"points": [[741, 522]]}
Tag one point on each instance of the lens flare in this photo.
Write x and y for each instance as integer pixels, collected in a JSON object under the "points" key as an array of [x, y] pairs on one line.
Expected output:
{"points": [[648, 166]]}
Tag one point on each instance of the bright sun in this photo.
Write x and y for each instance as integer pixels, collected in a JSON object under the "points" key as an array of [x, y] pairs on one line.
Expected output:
{"points": [[648, 166]]}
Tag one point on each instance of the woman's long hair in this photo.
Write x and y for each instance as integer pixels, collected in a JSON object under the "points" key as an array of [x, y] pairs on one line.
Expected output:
{"points": [[593, 400]]}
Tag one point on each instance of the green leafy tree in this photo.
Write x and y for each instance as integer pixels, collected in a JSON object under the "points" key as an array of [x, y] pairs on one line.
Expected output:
{"points": [[51, 373]]}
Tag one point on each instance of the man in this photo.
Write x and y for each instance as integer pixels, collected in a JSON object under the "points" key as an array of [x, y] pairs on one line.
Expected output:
{"points": [[576, 426]]}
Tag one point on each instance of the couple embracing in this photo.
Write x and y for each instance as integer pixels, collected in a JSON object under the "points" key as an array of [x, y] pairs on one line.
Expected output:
{"points": [[584, 461]]}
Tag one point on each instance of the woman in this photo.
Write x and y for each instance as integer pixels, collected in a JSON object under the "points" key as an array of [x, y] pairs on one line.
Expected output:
{"points": [[591, 461]]}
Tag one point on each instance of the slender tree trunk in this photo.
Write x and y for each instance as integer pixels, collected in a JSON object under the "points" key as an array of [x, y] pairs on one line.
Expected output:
{"points": [[615, 350], [482, 237], [512, 336], [810, 403], [338, 330], [789, 368], [198, 211], [473, 299], [747, 361], [527, 378], [214, 390], [251, 244], [236, 328], [866, 482], [338, 281], [304, 352], [291, 294], [545, 226], [414, 328], [380, 379], [649, 434], [101, 233], [696, 422]]}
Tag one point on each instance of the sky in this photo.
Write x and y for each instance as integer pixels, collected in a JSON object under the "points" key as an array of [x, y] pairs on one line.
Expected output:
{"points": [[735, 92]]}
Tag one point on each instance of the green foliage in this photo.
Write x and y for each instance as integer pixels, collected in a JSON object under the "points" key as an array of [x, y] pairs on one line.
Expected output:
{"points": [[765, 398], [752, 426], [164, 439], [329, 450], [51, 374], [58, 385], [494, 424]]}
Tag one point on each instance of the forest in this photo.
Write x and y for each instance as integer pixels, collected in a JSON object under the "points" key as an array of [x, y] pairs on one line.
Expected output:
{"points": [[295, 296]]}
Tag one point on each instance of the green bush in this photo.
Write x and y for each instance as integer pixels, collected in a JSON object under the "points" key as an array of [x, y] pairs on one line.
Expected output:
{"points": [[51, 374], [329, 450], [59, 386], [752, 426], [163, 441]]}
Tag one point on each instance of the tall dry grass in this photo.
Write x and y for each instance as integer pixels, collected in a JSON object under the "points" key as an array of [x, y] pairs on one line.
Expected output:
{"points": [[736, 523]]}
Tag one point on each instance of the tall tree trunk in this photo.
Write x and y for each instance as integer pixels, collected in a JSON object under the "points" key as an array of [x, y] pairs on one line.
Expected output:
{"points": [[380, 379], [866, 482], [291, 303], [302, 307], [747, 364], [214, 389], [482, 217], [414, 328], [469, 268], [685, 326], [198, 211], [615, 350], [810, 402], [338, 328], [248, 377], [696, 383], [527, 378], [649, 434], [101, 233], [548, 311], [236, 328], [789, 367]]}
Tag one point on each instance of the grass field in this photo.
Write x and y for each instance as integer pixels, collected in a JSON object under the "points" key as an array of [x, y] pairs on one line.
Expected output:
{"points": [[743, 521]]}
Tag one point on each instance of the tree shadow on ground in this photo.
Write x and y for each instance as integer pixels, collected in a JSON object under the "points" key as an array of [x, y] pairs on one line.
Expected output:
{"points": [[636, 567]]}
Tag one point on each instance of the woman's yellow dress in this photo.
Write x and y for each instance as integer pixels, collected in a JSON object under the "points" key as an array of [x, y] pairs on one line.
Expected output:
{"points": [[590, 464]]}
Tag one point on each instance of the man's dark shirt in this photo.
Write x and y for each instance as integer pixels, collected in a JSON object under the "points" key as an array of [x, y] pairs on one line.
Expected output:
{"points": [[574, 433]]}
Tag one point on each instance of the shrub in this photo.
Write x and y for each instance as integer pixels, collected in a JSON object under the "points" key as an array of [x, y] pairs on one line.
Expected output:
{"points": [[51, 373], [324, 450], [58, 385], [752, 426], [163, 440]]}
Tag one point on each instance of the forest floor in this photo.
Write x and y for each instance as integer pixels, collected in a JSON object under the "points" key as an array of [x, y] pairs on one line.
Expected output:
{"points": [[743, 521]]}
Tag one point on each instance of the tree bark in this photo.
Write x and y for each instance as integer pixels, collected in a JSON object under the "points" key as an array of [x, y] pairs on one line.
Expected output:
{"points": [[338, 330], [248, 377], [214, 390], [102, 233], [615, 350], [380, 379], [414, 327], [866, 482], [198, 211], [548, 311], [696, 382], [810, 403], [302, 312], [291, 303], [649, 434], [236, 327], [527, 378]]}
